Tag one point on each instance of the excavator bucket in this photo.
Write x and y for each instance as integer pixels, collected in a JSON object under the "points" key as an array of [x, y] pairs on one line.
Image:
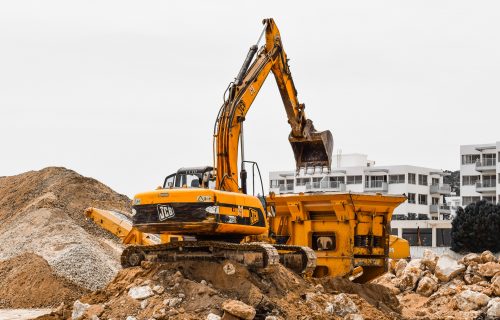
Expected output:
{"points": [[313, 150]]}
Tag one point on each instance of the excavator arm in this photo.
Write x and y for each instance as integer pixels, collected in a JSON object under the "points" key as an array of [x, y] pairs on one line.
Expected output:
{"points": [[311, 148]]}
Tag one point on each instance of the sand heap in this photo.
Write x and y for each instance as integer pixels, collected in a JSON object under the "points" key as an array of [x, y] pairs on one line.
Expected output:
{"points": [[445, 288], [42, 212], [228, 290]]}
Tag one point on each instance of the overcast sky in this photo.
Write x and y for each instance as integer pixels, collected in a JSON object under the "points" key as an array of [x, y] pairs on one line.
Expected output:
{"points": [[128, 91]]}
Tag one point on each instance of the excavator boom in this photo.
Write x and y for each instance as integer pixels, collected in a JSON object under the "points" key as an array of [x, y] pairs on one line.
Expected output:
{"points": [[310, 147]]}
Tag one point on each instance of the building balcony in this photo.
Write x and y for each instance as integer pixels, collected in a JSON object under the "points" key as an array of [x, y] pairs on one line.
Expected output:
{"points": [[376, 186], [333, 186], [440, 188], [486, 165], [434, 208], [486, 186], [444, 209]]}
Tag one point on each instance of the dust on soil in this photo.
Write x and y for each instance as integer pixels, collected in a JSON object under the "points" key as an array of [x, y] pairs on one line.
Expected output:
{"points": [[27, 281]]}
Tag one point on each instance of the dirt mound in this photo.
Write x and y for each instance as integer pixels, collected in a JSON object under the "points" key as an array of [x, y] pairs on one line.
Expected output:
{"points": [[211, 290], [27, 281], [42, 212]]}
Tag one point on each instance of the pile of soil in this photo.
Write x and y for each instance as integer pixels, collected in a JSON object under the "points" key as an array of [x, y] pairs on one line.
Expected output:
{"points": [[43, 212], [27, 281], [199, 290]]}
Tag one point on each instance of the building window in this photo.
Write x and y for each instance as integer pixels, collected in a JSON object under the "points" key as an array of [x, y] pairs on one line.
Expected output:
{"points": [[489, 181], [435, 200], [422, 199], [470, 158], [411, 198], [491, 199], [277, 183], [412, 178], [468, 200], [422, 179], [489, 159], [397, 178], [435, 181], [354, 179], [469, 180], [302, 181], [338, 179], [418, 236], [443, 237]]}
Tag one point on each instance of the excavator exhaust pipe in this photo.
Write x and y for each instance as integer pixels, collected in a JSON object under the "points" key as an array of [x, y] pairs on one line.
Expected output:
{"points": [[313, 150]]}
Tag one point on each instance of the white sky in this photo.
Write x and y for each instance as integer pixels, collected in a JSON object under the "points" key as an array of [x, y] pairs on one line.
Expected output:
{"points": [[127, 91]]}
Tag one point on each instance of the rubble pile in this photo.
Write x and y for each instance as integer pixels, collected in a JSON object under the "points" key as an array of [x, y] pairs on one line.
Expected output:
{"points": [[41, 212], [440, 287], [206, 290]]}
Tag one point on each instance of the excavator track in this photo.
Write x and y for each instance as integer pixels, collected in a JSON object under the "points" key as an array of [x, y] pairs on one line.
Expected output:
{"points": [[301, 260]]}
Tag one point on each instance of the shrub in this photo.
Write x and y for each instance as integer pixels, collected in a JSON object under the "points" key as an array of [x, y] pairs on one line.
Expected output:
{"points": [[476, 228]]}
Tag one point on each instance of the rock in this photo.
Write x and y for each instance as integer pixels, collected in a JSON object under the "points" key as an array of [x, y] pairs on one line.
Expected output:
{"points": [[144, 303], [447, 268], [203, 282], [400, 266], [79, 310], [487, 256], [158, 289], [427, 286], [213, 316], [493, 309], [229, 268], [488, 269], [470, 300], [140, 292], [410, 277], [392, 265], [271, 318], [471, 259], [94, 310], [131, 318], [172, 302], [415, 263], [228, 316], [429, 259], [239, 309], [495, 285], [341, 305], [319, 288]]}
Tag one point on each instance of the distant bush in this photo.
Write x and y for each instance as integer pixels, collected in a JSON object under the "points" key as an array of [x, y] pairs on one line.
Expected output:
{"points": [[477, 228]]}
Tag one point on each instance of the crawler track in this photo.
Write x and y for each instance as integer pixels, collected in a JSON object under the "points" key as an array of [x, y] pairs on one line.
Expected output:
{"points": [[254, 255]]}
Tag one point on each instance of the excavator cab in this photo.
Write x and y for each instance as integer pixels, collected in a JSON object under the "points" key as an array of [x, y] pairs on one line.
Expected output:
{"points": [[194, 177]]}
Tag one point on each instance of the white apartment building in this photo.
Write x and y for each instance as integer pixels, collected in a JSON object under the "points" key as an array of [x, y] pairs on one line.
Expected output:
{"points": [[423, 219], [480, 173]]}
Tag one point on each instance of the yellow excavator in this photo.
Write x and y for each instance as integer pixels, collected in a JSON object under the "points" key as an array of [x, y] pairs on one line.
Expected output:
{"points": [[221, 217], [207, 214]]}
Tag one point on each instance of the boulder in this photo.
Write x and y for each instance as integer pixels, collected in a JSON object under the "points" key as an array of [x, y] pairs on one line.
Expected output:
{"points": [[94, 310], [341, 305], [495, 285], [410, 277], [493, 309], [471, 259], [354, 316], [470, 300], [158, 289], [239, 309], [416, 263], [427, 286], [172, 302], [487, 256], [429, 259], [399, 268], [140, 292], [471, 278], [488, 269], [447, 268], [213, 316], [229, 269], [79, 310]]}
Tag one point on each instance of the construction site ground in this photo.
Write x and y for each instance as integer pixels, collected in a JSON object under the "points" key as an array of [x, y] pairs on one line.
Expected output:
{"points": [[56, 263]]}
